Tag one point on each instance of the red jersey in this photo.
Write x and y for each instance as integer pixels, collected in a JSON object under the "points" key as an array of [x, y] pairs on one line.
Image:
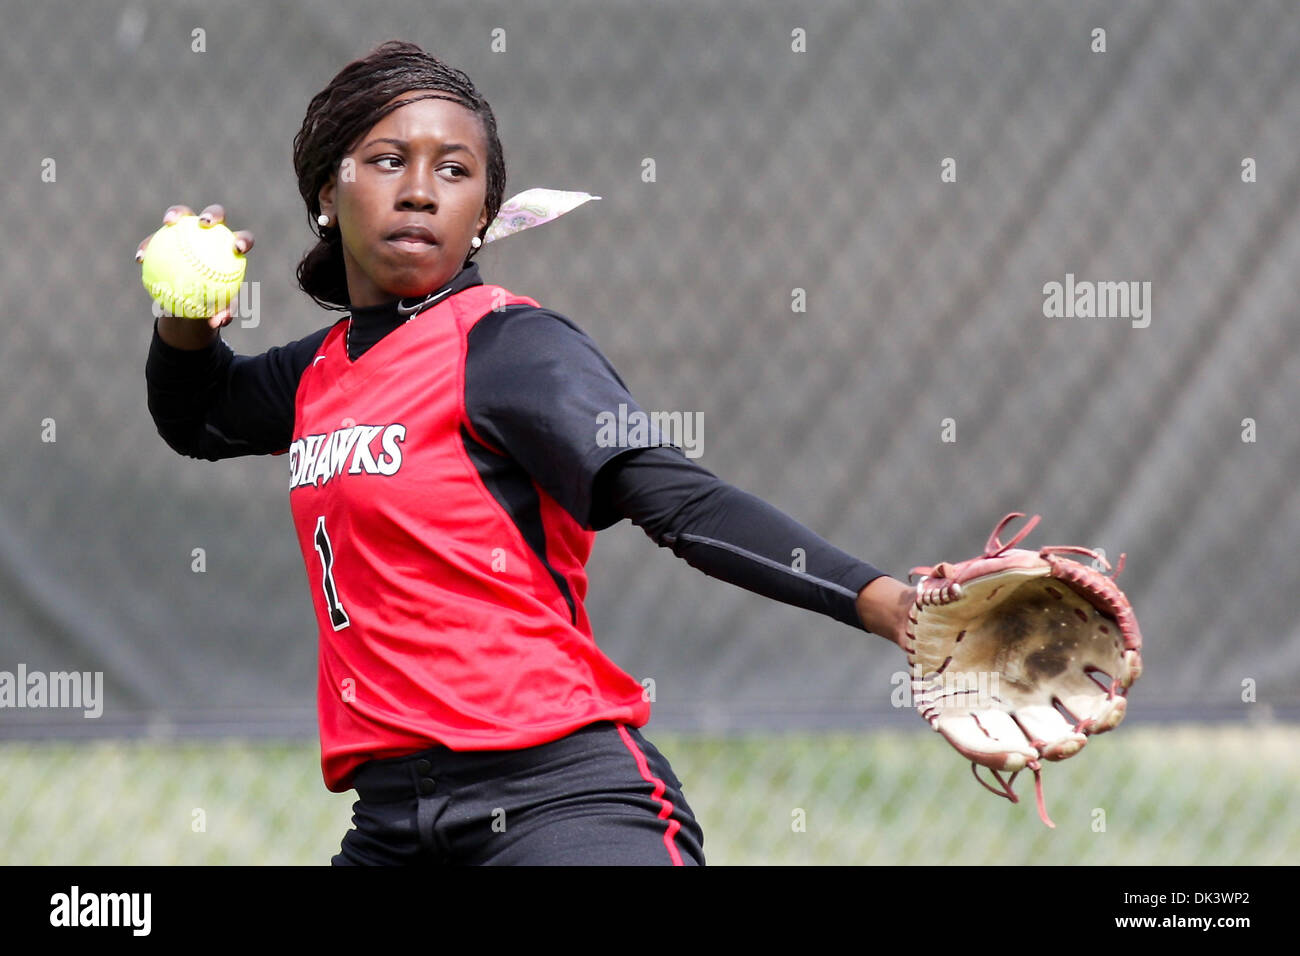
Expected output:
{"points": [[441, 620]]}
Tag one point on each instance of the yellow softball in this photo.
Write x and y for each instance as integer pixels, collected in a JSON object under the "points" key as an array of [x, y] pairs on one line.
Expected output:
{"points": [[193, 271]]}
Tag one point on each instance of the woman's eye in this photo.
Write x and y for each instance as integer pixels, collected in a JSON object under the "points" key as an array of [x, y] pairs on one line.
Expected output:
{"points": [[393, 162]]}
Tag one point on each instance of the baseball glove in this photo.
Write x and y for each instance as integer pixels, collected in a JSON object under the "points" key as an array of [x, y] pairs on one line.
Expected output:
{"points": [[1018, 656]]}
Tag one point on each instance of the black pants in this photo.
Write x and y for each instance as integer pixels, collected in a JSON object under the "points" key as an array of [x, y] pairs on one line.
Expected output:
{"points": [[602, 795]]}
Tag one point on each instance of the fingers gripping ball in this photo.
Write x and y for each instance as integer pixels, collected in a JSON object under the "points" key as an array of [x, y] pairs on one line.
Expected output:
{"points": [[1019, 656], [193, 271]]}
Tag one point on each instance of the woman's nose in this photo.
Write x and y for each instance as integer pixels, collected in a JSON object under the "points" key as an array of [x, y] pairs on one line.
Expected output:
{"points": [[418, 190]]}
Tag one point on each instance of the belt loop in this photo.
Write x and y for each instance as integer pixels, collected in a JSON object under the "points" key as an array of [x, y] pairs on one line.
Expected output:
{"points": [[427, 805]]}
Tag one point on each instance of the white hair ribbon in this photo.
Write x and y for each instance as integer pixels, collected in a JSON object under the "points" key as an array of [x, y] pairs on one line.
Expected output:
{"points": [[532, 207]]}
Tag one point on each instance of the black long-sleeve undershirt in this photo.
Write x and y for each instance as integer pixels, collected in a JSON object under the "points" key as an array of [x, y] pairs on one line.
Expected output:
{"points": [[212, 404]]}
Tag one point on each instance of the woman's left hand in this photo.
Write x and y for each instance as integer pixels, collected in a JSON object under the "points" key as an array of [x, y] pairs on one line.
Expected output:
{"points": [[883, 607]]}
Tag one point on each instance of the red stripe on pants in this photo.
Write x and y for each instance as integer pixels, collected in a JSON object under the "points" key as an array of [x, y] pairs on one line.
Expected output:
{"points": [[666, 807]]}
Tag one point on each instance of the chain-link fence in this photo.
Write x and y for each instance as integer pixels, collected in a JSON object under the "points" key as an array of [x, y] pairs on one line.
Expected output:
{"points": [[835, 231], [1145, 796]]}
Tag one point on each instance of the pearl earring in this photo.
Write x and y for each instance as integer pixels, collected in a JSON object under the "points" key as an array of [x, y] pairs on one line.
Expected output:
{"points": [[323, 219], [475, 242]]}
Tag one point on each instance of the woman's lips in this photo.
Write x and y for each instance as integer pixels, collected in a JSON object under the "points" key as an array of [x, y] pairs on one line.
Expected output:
{"points": [[412, 237], [412, 244]]}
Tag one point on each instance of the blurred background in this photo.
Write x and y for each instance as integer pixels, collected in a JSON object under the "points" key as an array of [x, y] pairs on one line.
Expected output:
{"points": [[825, 228]]}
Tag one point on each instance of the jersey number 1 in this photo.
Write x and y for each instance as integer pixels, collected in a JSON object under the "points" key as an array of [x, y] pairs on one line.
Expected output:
{"points": [[338, 616]]}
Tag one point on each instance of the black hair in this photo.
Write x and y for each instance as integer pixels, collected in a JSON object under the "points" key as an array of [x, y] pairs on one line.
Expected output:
{"points": [[339, 115]]}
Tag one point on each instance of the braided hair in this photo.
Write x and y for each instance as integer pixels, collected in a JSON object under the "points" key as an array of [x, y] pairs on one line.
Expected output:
{"points": [[339, 115]]}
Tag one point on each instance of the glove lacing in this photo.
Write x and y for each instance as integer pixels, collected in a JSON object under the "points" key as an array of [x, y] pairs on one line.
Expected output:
{"points": [[1010, 794]]}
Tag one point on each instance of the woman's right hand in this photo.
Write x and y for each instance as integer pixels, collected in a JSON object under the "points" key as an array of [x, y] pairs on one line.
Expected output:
{"points": [[191, 333]]}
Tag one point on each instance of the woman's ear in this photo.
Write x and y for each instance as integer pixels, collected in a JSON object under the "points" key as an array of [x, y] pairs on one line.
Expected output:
{"points": [[326, 199]]}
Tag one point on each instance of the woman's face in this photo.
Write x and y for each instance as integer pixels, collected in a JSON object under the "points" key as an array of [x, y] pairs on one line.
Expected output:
{"points": [[422, 169]]}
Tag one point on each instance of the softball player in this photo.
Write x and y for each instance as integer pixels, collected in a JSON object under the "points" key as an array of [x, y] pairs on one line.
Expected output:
{"points": [[446, 484]]}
